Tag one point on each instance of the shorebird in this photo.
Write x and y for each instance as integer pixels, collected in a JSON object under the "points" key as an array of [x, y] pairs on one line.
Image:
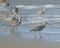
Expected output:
{"points": [[13, 21], [15, 11], [5, 4], [42, 11], [39, 27], [2, 1]]}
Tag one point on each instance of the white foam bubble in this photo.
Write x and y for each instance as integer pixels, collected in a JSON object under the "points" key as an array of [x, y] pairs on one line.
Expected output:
{"points": [[34, 7], [27, 7], [38, 6]]}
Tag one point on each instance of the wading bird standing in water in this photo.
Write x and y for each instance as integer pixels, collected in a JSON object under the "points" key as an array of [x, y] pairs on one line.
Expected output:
{"points": [[39, 27], [12, 23], [41, 11]]}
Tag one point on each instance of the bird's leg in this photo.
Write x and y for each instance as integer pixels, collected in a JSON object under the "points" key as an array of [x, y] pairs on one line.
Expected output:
{"points": [[40, 35], [13, 28], [8, 27], [16, 28], [35, 34]]}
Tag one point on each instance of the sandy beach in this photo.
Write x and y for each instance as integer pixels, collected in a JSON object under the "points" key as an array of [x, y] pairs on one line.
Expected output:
{"points": [[27, 9], [8, 41]]}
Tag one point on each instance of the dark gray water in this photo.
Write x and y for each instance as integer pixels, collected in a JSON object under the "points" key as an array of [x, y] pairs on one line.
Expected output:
{"points": [[27, 9]]}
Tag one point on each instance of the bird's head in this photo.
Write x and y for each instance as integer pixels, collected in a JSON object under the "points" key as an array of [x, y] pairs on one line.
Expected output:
{"points": [[6, 4], [9, 6], [21, 18]]}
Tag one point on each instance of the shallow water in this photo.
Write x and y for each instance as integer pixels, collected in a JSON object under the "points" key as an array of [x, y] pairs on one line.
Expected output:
{"points": [[28, 9]]}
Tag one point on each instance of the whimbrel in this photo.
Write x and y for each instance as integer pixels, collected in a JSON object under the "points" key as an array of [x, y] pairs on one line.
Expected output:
{"points": [[39, 27]]}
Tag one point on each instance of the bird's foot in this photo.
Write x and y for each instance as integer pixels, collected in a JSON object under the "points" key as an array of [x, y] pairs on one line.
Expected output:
{"points": [[40, 37]]}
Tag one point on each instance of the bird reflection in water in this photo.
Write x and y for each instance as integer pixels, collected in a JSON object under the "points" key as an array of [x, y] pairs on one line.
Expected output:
{"points": [[13, 32]]}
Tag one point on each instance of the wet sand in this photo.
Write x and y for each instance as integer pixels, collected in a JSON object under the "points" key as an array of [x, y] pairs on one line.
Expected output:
{"points": [[8, 41]]}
